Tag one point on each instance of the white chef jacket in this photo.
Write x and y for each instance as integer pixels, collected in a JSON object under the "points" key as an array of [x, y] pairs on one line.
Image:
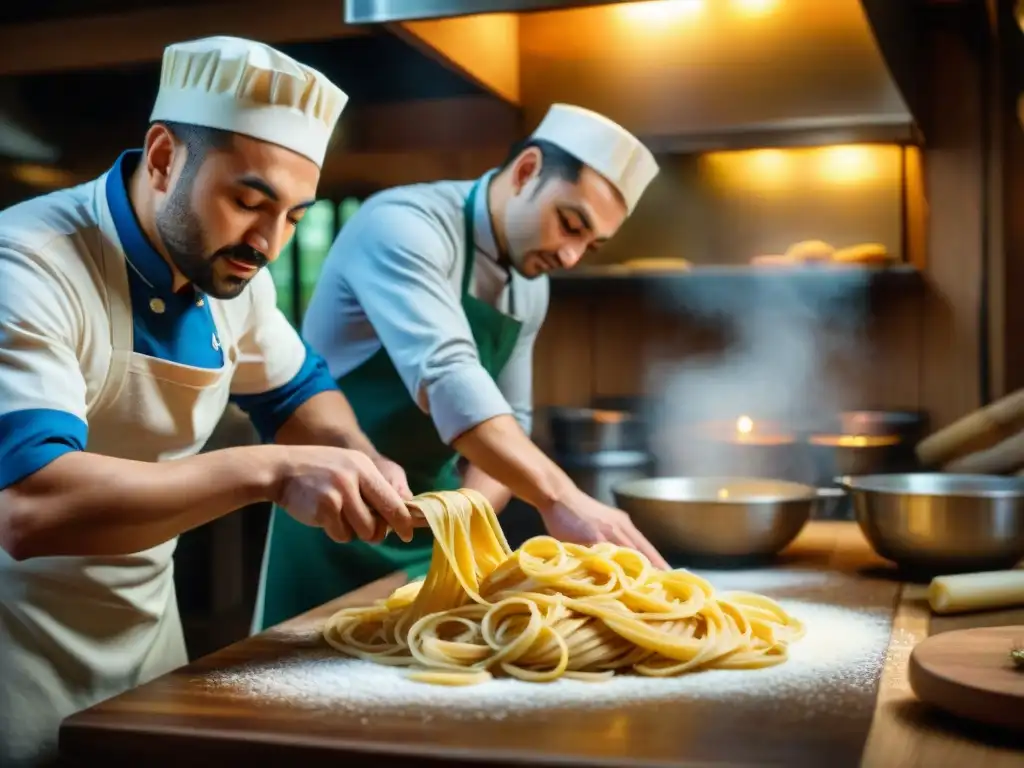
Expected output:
{"points": [[393, 278], [97, 353]]}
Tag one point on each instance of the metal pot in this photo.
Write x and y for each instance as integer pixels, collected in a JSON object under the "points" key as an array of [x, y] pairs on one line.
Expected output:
{"points": [[575, 431], [730, 517], [941, 523], [596, 474]]}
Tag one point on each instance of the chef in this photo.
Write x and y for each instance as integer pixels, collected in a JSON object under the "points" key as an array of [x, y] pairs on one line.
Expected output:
{"points": [[426, 311], [133, 308]]}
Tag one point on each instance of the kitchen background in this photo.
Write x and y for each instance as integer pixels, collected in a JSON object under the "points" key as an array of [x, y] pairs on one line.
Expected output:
{"points": [[776, 122]]}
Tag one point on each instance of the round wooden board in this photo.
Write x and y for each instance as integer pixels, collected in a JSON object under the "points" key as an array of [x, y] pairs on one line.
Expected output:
{"points": [[969, 673]]}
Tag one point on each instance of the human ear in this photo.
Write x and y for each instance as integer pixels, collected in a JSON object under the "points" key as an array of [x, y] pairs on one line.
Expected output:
{"points": [[158, 154], [526, 167]]}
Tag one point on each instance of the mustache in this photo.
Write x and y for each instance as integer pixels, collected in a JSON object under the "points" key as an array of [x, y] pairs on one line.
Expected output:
{"points": [[243, 253], [549, 259]]}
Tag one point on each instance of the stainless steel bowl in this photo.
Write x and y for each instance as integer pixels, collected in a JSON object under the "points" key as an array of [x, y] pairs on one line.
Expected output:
{"points": [[941, 523], [719, 516]]}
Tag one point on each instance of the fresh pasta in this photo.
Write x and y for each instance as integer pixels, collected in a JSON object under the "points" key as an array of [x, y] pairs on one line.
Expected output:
{"points": [[552, 609]]}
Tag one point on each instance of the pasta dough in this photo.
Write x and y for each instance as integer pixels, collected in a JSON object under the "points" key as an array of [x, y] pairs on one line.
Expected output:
{"points": [[552, 609], [964, 592]]}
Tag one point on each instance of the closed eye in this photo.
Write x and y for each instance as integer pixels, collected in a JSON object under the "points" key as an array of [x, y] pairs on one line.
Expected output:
{"points": [[567, 226], [246, 207], [242, 204]]}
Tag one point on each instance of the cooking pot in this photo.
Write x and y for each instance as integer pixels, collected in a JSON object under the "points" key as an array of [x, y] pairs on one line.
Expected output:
{"points": [[575, 431]]}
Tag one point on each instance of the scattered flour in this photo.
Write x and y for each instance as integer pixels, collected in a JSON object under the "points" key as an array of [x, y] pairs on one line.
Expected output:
{"points": [[843, 651]]}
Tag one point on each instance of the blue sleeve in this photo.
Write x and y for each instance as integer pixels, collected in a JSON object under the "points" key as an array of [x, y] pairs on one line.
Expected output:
{"points": [[31, 439], [269, 410]]}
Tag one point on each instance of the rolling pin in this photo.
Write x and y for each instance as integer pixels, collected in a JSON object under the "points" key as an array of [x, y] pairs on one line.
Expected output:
{"points": [[975, 432], [1002, 458], [964, 592]]}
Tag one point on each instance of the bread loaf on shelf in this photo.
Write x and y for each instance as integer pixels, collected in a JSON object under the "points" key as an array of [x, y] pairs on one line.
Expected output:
{"points": [[810, 250], [863, 253]]}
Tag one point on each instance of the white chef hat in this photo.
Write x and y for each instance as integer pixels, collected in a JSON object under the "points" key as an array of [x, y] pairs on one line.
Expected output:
{"points": [[249, 88], [602, 144]]}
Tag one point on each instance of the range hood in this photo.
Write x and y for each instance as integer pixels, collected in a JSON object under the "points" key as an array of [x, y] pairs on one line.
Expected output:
{"points": [[385, 11], [686, 75]]}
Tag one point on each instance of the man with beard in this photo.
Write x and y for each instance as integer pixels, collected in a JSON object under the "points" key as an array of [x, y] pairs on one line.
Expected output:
{"points": [[132, 309], [426, 312]]}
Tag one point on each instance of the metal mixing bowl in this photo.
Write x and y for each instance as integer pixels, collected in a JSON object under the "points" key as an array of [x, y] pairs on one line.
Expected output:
{"points": [[941, 523], [719, 516]]}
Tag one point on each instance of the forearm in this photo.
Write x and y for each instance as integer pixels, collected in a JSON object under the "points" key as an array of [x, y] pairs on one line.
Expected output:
{"points": [[84, 504], [496, 493], [502, 450], [325, 419]]}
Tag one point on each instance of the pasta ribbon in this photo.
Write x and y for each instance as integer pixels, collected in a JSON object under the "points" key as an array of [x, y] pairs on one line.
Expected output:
{"points": [[552, 609]]}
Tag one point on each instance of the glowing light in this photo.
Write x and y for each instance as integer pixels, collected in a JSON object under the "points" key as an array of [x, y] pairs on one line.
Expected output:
{"points": [[744, 425], [770, 165], [754, 8], [658, 12], [42, 176], [847, 164]]}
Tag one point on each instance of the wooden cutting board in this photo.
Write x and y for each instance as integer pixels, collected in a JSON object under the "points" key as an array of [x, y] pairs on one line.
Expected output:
{"points": [[969, 673]]}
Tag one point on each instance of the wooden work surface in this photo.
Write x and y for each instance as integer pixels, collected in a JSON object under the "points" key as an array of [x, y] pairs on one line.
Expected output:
{"points": [[176, 719]]}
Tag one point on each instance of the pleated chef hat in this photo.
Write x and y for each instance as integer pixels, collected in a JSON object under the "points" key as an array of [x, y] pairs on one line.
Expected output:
{"points": [[602, 144], [249, 88]]}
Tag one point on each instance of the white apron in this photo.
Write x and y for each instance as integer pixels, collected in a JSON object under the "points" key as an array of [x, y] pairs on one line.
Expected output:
{"points": [[75, 631]]}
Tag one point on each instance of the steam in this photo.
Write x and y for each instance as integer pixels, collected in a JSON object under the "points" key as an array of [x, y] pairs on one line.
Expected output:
{"points": [[785, 334]]}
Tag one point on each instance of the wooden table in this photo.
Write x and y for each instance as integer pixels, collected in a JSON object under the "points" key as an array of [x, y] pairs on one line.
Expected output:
{"points": [[173, 721]]}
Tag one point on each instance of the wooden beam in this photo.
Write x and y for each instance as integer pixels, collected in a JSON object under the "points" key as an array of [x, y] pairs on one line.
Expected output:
{"points": [[136, 36], [485, 48]]}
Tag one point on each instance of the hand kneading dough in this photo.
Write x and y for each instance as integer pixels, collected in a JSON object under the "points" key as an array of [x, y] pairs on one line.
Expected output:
{"points": [[976, 591], [552, 609]]}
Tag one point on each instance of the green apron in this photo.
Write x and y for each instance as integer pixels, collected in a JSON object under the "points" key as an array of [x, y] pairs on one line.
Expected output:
{"points": [[303, 568]]}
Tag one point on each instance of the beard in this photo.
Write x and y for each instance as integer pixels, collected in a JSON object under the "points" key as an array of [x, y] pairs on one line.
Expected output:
{"points": [[182, 235], [521, 242], [528, 260]]}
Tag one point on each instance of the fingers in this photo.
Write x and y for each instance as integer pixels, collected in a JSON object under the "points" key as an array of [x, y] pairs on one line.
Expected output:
{"points": [[335, 527], [354, 510], [329, 502], [632, 538], [385, 500], [402, 486], [380, 532]]}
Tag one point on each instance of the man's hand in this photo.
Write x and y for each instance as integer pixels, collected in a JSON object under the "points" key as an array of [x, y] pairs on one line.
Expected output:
{"points": [[394, 474], [585, 520], [345, 493]]}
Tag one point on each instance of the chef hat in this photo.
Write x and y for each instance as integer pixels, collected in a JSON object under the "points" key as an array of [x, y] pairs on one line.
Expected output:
{"points": [[249, 88], [605, 146]]}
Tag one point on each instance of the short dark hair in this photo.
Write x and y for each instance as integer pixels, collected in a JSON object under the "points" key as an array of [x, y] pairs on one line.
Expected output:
{"points": [[557, 163], [198, 141]]}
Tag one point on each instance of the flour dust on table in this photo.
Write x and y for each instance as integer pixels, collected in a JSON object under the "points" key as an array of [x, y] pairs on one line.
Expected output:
{"points": [[843, 651]]}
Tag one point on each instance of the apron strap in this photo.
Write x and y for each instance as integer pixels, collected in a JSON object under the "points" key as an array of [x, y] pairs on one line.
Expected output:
{"points": [[469, 219], [119, 310]]}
